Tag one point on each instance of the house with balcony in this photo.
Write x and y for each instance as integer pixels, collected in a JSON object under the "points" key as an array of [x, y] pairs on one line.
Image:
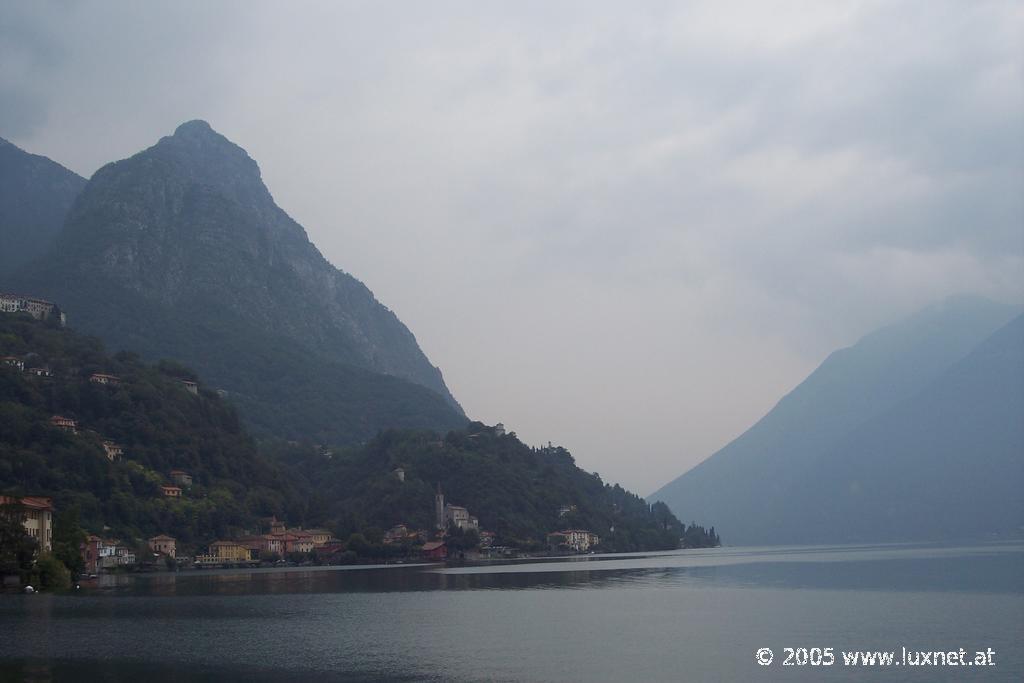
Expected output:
{"points": [[65, 423], [170, 491], [112, 450], [104, 379]]}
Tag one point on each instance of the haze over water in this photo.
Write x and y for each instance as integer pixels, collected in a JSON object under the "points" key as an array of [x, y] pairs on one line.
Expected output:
{"points": [[682, 615]]}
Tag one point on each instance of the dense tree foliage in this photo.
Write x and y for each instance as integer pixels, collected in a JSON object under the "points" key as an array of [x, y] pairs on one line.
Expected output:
{"points": [[17, 549], [516, 491], [160, 425]]}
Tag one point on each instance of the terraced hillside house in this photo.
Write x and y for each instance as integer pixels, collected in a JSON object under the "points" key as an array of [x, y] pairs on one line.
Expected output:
{"points": [[112, 450], [170, 491], [65, 423]]}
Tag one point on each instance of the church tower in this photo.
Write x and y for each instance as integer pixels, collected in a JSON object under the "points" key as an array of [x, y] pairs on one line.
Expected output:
{"points": [[439, 508]]}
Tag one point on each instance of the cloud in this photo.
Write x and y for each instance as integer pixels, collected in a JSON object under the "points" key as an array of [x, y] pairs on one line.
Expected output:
{"points": [[625, 230]]}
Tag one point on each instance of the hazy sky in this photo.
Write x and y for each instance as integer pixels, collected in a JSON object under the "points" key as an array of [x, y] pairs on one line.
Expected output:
{"points": [[627, 228]]}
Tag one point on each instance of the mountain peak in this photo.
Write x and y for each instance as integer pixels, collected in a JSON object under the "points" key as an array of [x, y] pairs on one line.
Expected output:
{"points": [[198, 151], [193, 127], [185, 242], [201, 135]]}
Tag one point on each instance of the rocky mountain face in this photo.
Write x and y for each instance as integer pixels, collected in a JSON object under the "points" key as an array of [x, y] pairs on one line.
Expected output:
{"points": [[819, 466], [35, 195], [181, 252]]}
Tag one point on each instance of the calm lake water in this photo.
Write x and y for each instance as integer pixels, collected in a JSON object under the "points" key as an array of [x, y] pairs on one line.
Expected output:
{"points": [[686, 615]]}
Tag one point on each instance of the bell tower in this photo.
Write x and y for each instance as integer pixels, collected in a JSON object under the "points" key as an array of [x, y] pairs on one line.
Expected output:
{"points": [[439, 508]]}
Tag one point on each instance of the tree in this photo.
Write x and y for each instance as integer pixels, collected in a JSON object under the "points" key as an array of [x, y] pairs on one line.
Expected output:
{"points": [[68, 537], [17, 549], [51, 572]]}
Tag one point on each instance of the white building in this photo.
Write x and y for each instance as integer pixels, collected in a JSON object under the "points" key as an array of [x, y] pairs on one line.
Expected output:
{"points": [[459, 517], [578, 540], [455, 515], [40, 309]]}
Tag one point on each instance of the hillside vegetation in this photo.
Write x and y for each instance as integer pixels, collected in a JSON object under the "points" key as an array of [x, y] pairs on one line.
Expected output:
{"points": [[159, 424], [516, 491]]}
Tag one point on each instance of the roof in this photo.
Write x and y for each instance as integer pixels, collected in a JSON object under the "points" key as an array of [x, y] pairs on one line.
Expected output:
{"points": [[432, 545], [170, 487], [162, 537], [9, 295], [37, 502], [178, 472], [30, 502]]}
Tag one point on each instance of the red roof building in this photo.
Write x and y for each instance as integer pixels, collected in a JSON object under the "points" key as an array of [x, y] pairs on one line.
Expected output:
{"points": [[435, 550]]}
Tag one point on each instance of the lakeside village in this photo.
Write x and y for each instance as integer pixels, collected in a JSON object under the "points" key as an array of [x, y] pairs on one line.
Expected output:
{"points": [[456, 533], [278, 545]]}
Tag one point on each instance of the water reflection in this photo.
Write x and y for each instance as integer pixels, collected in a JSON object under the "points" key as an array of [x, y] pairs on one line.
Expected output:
{"points": [[692, 614], [990, 569]]}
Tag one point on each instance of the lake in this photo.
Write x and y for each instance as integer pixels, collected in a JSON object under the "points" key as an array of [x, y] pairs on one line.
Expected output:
{"points": [[697, 615]]}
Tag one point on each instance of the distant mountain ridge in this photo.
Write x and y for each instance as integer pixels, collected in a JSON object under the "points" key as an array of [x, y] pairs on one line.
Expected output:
{"points": [[946, 463], [180, 251], [35, 195], [757, 488]]}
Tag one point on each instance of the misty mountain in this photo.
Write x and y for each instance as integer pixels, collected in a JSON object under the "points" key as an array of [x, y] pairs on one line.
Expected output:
{"points": [[180, 252], [817, 467], [948, 463], [35, 195]]}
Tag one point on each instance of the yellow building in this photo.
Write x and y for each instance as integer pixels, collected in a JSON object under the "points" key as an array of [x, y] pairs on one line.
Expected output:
{"points": [[37, 518], [317, 536], [229, 551]]}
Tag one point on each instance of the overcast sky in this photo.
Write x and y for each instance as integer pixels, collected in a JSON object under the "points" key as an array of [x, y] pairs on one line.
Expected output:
{"points": [[626, 228]]}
